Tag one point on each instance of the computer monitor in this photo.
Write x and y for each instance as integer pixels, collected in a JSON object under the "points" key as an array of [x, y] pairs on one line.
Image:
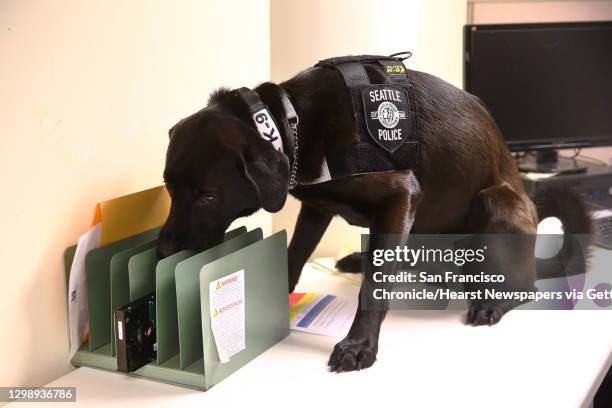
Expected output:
{"points": [[548, 85]]}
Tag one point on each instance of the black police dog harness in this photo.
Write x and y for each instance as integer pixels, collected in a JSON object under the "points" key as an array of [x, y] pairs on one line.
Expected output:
{"points": [[385, 114]]}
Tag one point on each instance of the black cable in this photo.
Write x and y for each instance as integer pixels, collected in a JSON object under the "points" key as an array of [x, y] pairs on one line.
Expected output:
{"points": [[577, 155], [594, 160]]}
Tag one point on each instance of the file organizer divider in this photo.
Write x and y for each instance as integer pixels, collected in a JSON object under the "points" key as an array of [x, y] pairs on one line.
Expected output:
{"points": [[121, 271], [97, 271], [166, 311], [266, 313], [141, 270], [187, 277], [120, 280]]}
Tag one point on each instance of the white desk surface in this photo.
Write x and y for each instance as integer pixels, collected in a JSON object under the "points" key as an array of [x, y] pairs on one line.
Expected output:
{"points": [[425, 359]]}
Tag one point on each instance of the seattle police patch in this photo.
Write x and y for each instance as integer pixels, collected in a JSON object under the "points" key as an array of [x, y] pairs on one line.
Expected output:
{"points": [[387, 115]]}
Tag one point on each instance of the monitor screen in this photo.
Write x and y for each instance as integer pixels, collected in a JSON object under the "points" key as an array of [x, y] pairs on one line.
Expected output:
{"points": [[546, 85]]}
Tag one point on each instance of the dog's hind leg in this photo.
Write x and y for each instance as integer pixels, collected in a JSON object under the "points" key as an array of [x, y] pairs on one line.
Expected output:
{"points": [[389, 227], [309, 228], [350, 263], [505, 221]]}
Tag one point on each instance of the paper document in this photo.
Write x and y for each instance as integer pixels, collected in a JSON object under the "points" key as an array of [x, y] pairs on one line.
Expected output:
{"points": [[78, 314], [132, 214], [328, 264], [605, 213], [322, 314], [227, 314], [113, 220], [539, 176]]}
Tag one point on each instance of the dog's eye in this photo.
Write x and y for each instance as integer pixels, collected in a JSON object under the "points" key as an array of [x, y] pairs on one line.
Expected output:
{"points": [[207, 198]]}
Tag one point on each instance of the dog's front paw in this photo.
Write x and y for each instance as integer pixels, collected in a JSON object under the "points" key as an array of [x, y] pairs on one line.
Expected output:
{"points": [[352, 354]]}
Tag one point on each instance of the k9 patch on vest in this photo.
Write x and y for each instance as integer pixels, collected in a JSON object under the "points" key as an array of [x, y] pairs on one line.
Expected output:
{"points": [[387, 115]]}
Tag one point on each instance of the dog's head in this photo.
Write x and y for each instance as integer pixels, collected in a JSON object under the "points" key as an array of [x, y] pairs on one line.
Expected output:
{"points": [[217, 169]]}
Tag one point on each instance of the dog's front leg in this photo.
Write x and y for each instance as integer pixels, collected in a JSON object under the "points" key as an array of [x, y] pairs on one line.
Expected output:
{"points": [[309, 228], [358, 350]]}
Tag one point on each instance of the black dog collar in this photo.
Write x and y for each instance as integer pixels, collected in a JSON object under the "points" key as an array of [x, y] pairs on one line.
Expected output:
{"points": [[263, 119], [267, 127]]}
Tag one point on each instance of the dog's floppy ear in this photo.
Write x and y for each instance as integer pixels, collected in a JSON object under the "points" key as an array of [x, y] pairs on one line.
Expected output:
{"points": [[267, 171], [171, 131]]}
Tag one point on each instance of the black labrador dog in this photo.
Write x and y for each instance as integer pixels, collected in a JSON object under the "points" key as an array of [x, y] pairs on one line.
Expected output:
{"points": [[218, 168]]}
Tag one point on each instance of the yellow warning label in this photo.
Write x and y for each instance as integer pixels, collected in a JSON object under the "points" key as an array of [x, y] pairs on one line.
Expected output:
{"points": [[218, 285], [216, 313]]}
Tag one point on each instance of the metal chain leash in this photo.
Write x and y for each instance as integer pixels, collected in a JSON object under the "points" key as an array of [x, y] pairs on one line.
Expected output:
{"points": [[294, 166]]}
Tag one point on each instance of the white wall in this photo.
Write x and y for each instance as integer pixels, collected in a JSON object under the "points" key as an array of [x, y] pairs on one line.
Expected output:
{"points": [[305, 31], [88, 91], [538, 11]]}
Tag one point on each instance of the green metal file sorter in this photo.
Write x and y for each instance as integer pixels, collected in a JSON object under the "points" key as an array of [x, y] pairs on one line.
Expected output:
{"points": [[125, 270]]}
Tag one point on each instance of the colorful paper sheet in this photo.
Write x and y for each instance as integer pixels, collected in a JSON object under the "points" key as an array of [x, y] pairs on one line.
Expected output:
{"points": [[323, 314]]}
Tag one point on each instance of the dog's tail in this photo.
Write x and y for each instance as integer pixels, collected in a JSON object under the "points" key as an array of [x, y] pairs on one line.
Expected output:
{"points": [[569, 207]]}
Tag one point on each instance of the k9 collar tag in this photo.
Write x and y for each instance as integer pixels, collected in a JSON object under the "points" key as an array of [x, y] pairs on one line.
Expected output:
{"points": [[266, 126]]}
